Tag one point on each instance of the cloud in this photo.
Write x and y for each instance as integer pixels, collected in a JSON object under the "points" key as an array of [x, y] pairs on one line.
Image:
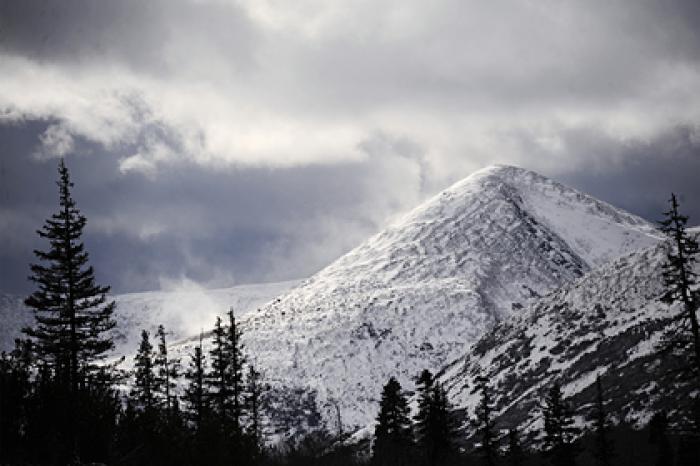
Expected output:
{"points": [[214, 225], [56, 142], [280, 84], [232, 140]]}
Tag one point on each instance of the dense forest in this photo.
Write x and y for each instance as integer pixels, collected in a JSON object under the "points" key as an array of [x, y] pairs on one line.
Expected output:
{"points": [[64, 401]]}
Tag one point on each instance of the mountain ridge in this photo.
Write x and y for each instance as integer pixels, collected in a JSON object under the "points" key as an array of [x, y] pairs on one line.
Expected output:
{"points": [[607, 324], [414, 295]]}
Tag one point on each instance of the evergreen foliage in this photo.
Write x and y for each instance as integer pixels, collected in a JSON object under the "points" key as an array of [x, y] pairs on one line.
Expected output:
{"points": [[393, 436], [424, 419], [560, 432], [15, 393], [218, 376], [658, 436], [196, 396], [70, 335], [435, 425], [680, 280], [485, 424], [255, 391], [145, 386], [445, 426], [167, 370], [515, 454], [72, 312], [604, 450], [234, 372]]}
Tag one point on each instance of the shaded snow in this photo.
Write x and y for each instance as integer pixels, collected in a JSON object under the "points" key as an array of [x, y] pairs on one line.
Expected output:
{"points": [[608, 323]]}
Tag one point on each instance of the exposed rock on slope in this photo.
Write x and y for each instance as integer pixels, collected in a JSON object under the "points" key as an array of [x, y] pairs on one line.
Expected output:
{"points": [[607, 323]]}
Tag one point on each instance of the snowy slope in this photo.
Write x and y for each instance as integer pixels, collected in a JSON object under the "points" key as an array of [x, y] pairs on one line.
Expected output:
{"points": [[183, 312], [13, 316], [415, 295], [607, 323]]}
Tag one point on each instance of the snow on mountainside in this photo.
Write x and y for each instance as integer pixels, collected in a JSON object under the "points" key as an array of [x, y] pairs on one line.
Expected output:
{"points": [[607, 323], [13, 316], [416, 294], [183, 312]]}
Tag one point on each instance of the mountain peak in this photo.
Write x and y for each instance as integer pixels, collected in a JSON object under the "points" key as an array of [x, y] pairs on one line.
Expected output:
{"points": [[416, 294]]}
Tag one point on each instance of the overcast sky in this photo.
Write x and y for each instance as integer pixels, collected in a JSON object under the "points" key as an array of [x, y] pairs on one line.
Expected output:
{"points": [[224, 141]]}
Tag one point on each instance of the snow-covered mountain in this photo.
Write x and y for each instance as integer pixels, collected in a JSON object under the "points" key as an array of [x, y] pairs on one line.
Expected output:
{"points": [[608, 323], [422, 292], [184, 311], [417, 294]]}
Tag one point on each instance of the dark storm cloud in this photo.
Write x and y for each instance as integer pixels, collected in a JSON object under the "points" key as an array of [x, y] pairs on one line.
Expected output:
{"points": [[228, 141], [216, 227], [642, 174], [138, 33]]}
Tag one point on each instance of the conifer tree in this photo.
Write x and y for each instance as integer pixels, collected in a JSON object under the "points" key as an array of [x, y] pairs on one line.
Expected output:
{"points": [[145, 381], [72, 312], [559, 429], [393, 437], [73, 317], [445, 426], [234, 370], [15, 397], [254, 400], [424, 418], [604, 449], [195, 396], [218, 377], [435, 424], [515, 455], [485, 425], [167, 370], [658, 435], [680, 279]]}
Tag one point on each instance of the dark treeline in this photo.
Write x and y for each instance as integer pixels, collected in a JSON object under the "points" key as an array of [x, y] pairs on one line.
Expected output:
{"points": [[433, 437], [63, 402]]}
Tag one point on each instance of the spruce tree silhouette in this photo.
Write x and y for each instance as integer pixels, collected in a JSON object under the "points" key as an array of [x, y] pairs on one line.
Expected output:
{"points": [[234, 371], [424, 419], [72, 313], [680, 281], [217, 379], [445, 426], [167, 371], [658, 436], [485, 424], [206, 438], [435, 424], [15, 397], [604, 449], [145, 384], [254, 391], [196, 397], [515, 454], [560, 432], [393, 437]]}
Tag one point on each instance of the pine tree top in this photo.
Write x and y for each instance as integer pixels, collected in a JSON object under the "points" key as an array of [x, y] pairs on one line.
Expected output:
{"points": [[73, 314]]}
